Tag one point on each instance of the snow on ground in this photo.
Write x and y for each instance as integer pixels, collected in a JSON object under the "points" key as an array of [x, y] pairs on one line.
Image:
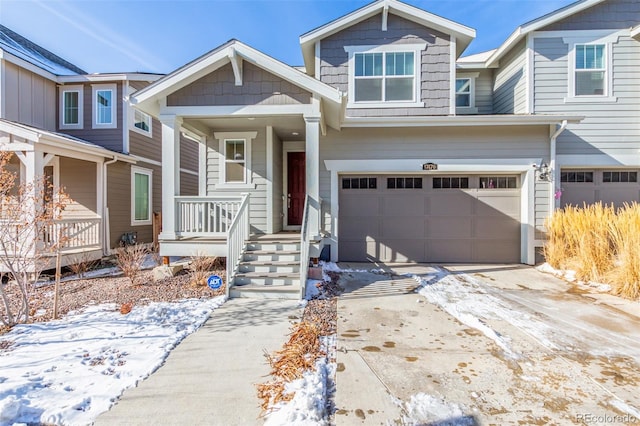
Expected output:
{"points": [[570, 276], [71, 370], [427, 409]]}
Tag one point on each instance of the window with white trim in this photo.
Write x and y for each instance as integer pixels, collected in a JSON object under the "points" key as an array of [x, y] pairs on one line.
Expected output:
{"points": [[384, 76], [71, 98], [142, 123], [104, 106], [463, 93], [590, 70], [235, 159], [141, 195]]}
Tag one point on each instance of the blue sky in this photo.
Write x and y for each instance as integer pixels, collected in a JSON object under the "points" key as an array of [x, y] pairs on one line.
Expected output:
{"points": [[160, 36]]}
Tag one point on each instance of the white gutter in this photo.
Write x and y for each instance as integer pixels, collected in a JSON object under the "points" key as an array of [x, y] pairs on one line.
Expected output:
{"points": [[106, 240], [553, 174]]}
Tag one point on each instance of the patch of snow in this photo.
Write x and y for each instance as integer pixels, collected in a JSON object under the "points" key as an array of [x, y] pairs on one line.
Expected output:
{"points": [[312, 393], [312, 290], [71, 370], [570, 276], [428, 409], [625, 408]]}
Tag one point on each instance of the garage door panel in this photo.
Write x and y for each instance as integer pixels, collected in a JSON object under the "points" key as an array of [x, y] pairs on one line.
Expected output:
{"points": [[618, 196], [577, 196], [403, 250], [402, 227], [490, 251], [451, 203], [358, 205], [448, 227], [359, 228], [498, 205], [495, 227], [403, 205], [449, 250], [360, 251]]}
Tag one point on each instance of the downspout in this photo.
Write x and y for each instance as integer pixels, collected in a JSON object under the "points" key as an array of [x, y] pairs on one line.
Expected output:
{"points": [[553, 176], [106, 240]]}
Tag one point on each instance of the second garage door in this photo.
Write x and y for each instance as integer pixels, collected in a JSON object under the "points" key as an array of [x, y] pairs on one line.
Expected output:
{"points": [[430, 218]]}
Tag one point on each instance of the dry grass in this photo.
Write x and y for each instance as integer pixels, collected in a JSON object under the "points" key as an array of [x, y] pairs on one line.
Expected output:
{"points": [[600, 243], [129, 259], [201, 267], [288, 364], [82, 263]]}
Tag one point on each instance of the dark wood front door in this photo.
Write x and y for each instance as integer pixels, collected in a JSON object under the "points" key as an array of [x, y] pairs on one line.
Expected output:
{"points": [[296, 187]]}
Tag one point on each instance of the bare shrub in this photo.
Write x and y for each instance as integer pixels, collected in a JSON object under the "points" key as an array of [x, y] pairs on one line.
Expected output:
{"points": [[83, 263], [129, 259], [201, 267]]}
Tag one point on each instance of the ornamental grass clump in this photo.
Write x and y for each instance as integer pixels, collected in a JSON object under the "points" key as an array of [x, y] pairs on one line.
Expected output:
{"points": [[600, 243]]}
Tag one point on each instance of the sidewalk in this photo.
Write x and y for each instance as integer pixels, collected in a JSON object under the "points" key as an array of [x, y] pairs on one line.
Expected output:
{"points": [[210, 377]]}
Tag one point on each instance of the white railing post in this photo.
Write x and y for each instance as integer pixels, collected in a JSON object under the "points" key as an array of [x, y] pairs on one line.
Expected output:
{"points": [[237, 234]]}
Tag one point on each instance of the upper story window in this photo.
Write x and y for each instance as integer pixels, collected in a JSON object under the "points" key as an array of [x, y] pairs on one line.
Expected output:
{"points": [[71, 98], [142, 123], [235, 159], [463, 93], [590, 70], [590, 64], [104, 106], [384, 76]]}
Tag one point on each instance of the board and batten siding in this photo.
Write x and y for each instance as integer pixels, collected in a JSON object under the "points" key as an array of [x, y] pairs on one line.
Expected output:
{"points": [[435, 62], [430, 144], [259, 87], [608, 128], [78, 178], [28, 97], [258, 200], [510, 85], [108, 138], [612, 14]]}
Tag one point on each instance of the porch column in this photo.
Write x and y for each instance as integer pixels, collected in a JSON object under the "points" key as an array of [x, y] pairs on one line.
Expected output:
{"points": [[312, 156], [170, 173]]}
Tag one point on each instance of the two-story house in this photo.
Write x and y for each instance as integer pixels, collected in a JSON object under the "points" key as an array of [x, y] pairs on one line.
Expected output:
{"points": [[78, 130], [388, 146]]}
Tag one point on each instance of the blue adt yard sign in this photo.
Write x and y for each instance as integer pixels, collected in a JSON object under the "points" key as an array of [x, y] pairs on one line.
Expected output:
{"points": [[214, 282]]}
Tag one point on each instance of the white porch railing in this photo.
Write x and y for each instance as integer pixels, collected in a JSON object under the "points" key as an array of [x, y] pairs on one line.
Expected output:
{"points": [[75, 233], [237, 235], [206, 216], [310, 205]]}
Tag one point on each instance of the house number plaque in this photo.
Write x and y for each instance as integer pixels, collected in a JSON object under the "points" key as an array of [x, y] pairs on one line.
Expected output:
{"points": [[429, 166]]}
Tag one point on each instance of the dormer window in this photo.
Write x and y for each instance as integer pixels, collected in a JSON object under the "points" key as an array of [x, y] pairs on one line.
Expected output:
{"points": [[384, 76]]}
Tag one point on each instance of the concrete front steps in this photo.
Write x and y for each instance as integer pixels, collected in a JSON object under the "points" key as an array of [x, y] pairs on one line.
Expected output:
{"points": [[270, 268]]}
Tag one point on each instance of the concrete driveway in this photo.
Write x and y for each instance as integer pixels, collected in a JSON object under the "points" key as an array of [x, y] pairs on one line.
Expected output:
{"points": [[470, 344]]}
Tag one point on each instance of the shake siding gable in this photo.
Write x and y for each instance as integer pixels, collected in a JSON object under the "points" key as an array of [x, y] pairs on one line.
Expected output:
{"points": [[435, 78], [108, 138], [612, 14], [611, 127], [509, 87], [259, 87]]}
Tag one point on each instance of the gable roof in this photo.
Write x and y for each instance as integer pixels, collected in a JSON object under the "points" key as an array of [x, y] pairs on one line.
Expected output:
{"points": [[463, 34], [145, 99], [536, 25], [23, 48]]}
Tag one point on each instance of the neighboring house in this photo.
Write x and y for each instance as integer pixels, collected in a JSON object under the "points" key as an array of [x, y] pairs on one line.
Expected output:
{"points": [[78, 130], [388, 146]]}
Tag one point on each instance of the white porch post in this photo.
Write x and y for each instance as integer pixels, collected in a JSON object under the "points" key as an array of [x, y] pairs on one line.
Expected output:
{"points": [[312, 156], [170, 173]]}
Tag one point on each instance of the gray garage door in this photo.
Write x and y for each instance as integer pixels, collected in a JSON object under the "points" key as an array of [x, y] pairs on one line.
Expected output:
{"points": [[590, 186], [430, 218]]}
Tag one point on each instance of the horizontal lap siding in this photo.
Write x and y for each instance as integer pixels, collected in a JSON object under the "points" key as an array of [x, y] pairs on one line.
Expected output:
{"points": [[188, 184], [484, 92], [435, 78], [609, 128], [258, 211], [541, 207], [428, 144], [259, 87], [189, 154], [29, 98], [509, 87], [108, 138], [145, 146], [78, 179]]}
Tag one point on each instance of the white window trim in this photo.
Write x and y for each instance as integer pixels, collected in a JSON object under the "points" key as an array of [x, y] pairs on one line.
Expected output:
{"points": [[471, 109], [139, 170], [586, 39], [114, 106], [222, 138], [417, 63], [132, 123], [80, 90]]}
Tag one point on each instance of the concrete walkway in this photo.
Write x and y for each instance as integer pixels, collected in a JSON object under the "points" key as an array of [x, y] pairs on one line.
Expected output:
{"points": [[209, 378], [573, 356]]}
